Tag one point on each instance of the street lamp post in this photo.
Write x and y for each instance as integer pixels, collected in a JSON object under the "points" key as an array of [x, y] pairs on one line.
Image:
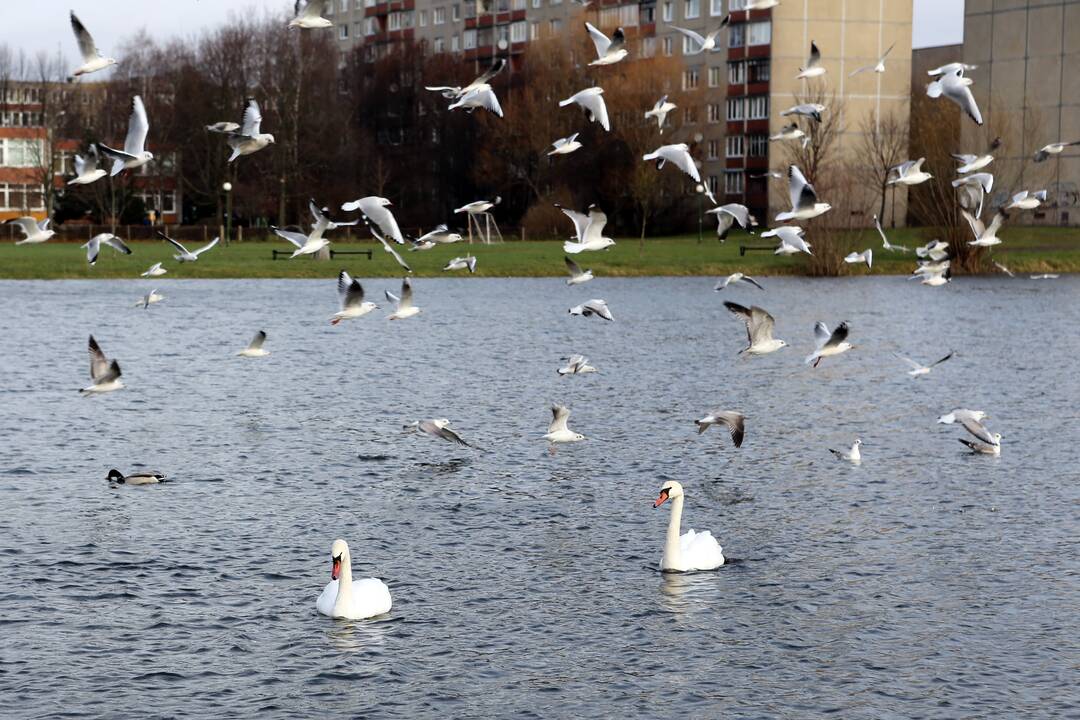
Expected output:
{"points": [[701, 209], [227, 187]]}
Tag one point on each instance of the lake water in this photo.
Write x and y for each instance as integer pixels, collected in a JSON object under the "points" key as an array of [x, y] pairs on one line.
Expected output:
{"points": [[924, 583]]}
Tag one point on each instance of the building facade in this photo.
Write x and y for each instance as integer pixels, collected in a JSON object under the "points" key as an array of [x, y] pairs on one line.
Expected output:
{"points": [[743, 85], [1027, 85]]}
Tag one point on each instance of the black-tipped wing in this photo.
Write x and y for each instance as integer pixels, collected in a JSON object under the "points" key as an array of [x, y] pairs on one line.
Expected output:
{"points": [[838, 336], [82, 36], [947, 357]]}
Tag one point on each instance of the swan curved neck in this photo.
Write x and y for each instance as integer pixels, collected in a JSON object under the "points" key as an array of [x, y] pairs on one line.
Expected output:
{"points": [[672, 548], [344, 591]]}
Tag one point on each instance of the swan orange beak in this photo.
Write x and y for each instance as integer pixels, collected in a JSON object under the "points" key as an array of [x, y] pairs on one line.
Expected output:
{"points": [[335, 571], [661, 500]]}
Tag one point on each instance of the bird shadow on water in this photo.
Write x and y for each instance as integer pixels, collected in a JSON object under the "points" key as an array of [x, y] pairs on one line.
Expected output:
{"points": [[447, 467]]}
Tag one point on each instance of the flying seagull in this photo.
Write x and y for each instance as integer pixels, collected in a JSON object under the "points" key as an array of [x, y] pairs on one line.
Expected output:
{"points": [[558, 432], [813, 64], [678, 155], [440, 235], [305, 244], [353, 304], [155, 271], [1046, 276], [1025, 200], [791, 131], [828, 343], [909, 173], [33, 232], [884, 240], [734, 278], [1003, 269], [608, 51], [971, 163], [387, 247], [810, 110], [93, 246], [255, 347], [589, 230], [249, 138], [374, 209], [973, 190], [728, 215], [950, 68], [576, 365], [1053, 149], [957, 88], [985, 236], [660, 111], [804, 200], [990, 443], [704, 43], [590, 100], [149, 299], [478, 207], [791, 240], [184, 255], [483, 97], [878, 67], [866, 256], [918, 369], [961, 414], [86, 168], [104, 373], [592, 307], [577, 275], [462, 263], [935, 279], [223, 127], [851, 455], [454, 92], [565, 146], [759, 329], [733, 421], [309, 16], [936, 250], [403, 306], [92, 59], [134, 153], [437, 428]]}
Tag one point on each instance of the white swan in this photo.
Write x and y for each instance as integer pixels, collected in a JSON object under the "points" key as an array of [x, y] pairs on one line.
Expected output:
{"points": [[343, 598], [692, 551]]}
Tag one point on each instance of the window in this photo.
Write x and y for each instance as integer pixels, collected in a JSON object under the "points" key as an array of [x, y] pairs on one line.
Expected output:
{"points": [[648, 15], [21, 152], [714, 77], [554, 26], [609, 17], [343, 32], [393, 21], [691, 9], [438, 16], [759, 146], [736, 36], [455, 14], [716, 8], [423, 18], [735, 108], [759, 70], [520, 4], [736, 73], [667, 46], [455, 45], [759, 33], [733, 182], [469, 39], [689, 46], [736, 5], [519, 31], [713, 184], [648, 46], [628, 15], [734, 146], [21, 197], [534, 31], [370, 3], [344, 6], [759, 107], [690, 79], [715, 115], [371, 26], [690, 116], [669, 12], [537, 3], [439, 45], [714, 150]]}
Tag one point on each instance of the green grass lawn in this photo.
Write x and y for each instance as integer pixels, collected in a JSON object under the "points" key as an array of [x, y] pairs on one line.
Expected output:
{"points": [[1024, 250]]}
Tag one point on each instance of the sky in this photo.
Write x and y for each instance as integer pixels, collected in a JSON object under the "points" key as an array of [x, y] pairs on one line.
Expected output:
{"points": [[43, 24]]}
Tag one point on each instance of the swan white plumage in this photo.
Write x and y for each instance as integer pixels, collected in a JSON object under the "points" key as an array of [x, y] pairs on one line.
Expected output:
{"points": [[692, 550], [344, 598]]}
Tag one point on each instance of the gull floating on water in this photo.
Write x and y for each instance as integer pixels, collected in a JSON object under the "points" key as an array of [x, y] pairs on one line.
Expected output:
{"points": [[1025, 200], [592, 307], [462, 263], [866, 256], [589, 230], [678, 155], [734, 278], [33, 231], [810, 110], [813, 64], [918, 369], [1053, 149], [353, 304], [93, 246], [558, 432], [436, 428], [878, 67], [1046, 276], [104, 373], [92, 59], [577, 275], [728, 215], [957, 88], [311, 15], [184, 255], [590, 100], [791, 240], [155, 271], [829, 344], [149, 299], [565, 146], [374, 209], [134, 153], [884, 240], [249, 138], [255, 347], [403, 306], [608, 50], [759, 329], [733, 421], [704, 43], [804, 200], [660, 111], [86, 168], [852, 455], [576, 365], [909, 173]]}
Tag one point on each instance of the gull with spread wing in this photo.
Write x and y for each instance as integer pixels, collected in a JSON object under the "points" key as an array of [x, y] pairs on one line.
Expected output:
{"points": [[813, 67], [255, 347], [185, 255], [86, 168], [576, 365], [678, 155], [608, 50], [589, 230], [918, 369], [577, 275], [403, 306], [734, 278], [884, 240], [93, 246], [92, 59], [134, 153], [660, 111], [310, 15], [878, 67], [353, 304], [591, 100], [104, 373], [728, 215], [33, 232], [436, 428], [249, 138], [829, 344], [735, 422], [592, 307], [759, 329]]}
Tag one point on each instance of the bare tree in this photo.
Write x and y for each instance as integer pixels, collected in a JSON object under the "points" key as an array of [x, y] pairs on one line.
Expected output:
{"points": [[882, 145]]}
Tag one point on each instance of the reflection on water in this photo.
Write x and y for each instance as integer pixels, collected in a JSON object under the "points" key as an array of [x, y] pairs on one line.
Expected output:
{"points": [[925, 583]]}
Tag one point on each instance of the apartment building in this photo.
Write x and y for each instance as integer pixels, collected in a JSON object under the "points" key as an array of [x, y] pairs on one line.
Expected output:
{"points": [[1027, 85], [743, 84]]}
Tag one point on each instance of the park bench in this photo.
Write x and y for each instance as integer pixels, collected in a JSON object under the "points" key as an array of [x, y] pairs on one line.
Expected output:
{"points": [[743, 249], [333, 253]]}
